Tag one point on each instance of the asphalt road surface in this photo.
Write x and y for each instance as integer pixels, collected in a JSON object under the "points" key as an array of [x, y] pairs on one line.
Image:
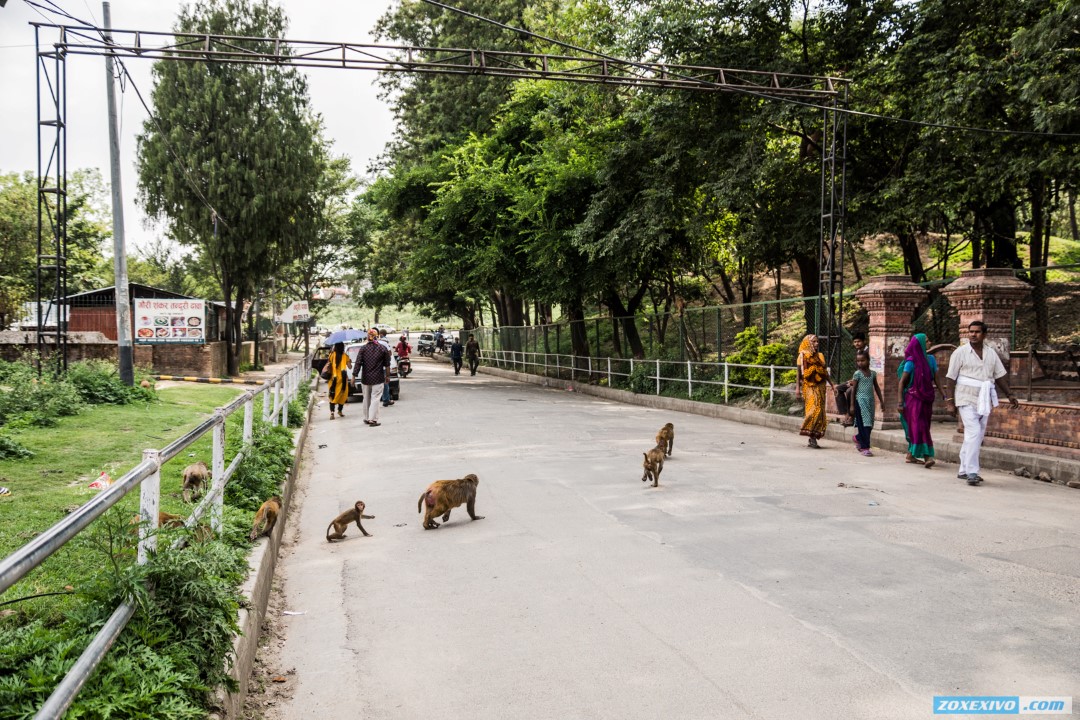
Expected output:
{"points": [[750, 584]]}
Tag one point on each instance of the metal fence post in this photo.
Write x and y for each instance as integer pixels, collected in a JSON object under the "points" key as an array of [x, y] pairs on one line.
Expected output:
{"points": [[284, 406], [657, 376], [573, 365], [725, 381], [589, 359], [276, 409], [249, 416], [609, 372], [266, 401], [558, 368], [545, 354], [218, 471], [149, 504], [772, 381], [689, 379], [719, 335]]}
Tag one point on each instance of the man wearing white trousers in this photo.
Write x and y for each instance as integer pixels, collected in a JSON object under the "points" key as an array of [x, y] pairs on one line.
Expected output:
{"points": [[974, 371]]}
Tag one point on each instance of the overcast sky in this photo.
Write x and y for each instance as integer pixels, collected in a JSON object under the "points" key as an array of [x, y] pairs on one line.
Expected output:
{"points": [[356, 120]]}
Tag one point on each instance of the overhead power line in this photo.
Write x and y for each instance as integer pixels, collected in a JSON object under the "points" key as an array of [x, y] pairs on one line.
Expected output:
{"points": [[123, 75], [747, 91]]}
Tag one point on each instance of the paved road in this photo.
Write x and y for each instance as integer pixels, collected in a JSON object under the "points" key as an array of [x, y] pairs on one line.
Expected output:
{"points": [[748, 585]]}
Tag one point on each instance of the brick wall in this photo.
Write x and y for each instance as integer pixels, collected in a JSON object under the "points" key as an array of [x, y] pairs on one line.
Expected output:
{"points": [[202, 360], [206, 360], [1044, 424]]}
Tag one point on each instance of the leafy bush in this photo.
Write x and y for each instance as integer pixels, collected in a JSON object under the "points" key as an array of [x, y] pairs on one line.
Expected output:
{"points": [[263, 469], [11, 449], [98, 383], [772, 354], [639, 381], [26, 400]]}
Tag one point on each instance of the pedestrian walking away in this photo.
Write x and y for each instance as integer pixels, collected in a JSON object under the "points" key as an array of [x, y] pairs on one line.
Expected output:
{"points": [[864, 386], [974, 377], [387, 401], [338, 387], [472, 352], [456, 351], [810, 386], [373, 369], [918, 382]]}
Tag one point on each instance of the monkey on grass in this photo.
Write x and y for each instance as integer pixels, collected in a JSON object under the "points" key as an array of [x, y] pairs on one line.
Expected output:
{"points": [[196, 477], [266, 517], [342, 521], [653, 464], [666, 439], [442, 496]]}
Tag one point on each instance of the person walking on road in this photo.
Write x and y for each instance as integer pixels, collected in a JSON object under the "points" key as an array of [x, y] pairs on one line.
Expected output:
{"points": [[974, 371], [864, 386], [918, 382], [387, 401], [338, 388], [456, 351], [813, 377], [472, 352], [373, 369]]}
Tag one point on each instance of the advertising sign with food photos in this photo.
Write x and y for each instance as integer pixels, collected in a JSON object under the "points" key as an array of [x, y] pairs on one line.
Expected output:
{"points": [[169, 322]]}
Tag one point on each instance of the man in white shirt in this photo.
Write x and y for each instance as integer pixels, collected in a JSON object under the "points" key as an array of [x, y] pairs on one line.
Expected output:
{"points": [[974, 371]]}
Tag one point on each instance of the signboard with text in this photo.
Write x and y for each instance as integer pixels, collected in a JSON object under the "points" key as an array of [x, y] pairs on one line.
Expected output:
{"points": [[160, 321], [296, 312]]}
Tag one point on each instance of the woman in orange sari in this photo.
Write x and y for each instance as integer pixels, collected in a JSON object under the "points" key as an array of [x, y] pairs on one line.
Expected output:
{"points": [[338, 387], [813, 377]]}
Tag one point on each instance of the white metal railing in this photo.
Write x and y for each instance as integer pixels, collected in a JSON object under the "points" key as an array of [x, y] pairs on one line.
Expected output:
{"points": [[715, 374], [277, 393]]}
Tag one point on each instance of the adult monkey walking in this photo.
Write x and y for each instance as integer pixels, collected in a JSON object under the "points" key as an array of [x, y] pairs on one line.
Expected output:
{"points": [[974, 370]]}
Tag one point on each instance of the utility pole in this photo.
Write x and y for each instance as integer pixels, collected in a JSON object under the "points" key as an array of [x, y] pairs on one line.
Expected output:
{"points": [[124, 352]]}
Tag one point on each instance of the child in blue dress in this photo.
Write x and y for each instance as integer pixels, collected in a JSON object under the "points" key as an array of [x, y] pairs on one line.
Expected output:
{"points": [[864, 385]]}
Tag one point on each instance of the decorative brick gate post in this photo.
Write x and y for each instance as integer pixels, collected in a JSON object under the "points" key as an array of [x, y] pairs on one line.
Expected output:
{"points": [[891, 302], [990, 295]]}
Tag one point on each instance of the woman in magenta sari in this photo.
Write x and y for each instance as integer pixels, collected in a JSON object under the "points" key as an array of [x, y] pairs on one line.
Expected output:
{"points": [[918, 379]]}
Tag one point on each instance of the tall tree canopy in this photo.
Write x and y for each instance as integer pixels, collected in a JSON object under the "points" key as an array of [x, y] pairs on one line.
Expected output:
{"points": [[238, 138]]}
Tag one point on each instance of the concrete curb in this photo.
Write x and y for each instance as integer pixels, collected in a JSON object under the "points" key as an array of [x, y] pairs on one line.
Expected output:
{"points": [[261, 563], [1062, 470]]}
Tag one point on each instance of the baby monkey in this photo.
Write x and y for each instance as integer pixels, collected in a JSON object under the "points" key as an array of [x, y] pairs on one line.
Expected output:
{"points": [[196, 477], [653, 464], [341, 522], [666, 439], [266, 518]]}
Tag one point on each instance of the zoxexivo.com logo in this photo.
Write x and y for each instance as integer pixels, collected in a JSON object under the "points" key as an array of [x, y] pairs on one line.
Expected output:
{"points": [[1001, 705]]}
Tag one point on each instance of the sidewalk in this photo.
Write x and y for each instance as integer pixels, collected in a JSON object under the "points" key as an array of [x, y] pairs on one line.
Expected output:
{"points": [[946, 449]]}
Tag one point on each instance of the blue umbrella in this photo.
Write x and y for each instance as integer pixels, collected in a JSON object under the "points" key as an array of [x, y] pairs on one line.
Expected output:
{"points": [[344, 336]]}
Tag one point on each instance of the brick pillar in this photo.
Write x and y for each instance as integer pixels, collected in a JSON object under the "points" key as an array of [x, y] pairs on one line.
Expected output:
{"points": [[990, 295], [891, 301]]}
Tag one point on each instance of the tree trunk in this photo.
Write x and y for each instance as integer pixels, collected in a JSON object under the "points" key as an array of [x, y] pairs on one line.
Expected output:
{"points": [[1037, 189], [998, 233], [1072, 216], [238, 328], [909, 246], [232, 366], [808, 276], [579, 338], [627, 317]]}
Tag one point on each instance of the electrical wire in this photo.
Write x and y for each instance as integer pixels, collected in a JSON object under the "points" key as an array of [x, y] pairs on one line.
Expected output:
{"points": [[747, 91]]}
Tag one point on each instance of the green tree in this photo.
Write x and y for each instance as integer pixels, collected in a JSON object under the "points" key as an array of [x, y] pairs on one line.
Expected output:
{"points": [[239, 138]]}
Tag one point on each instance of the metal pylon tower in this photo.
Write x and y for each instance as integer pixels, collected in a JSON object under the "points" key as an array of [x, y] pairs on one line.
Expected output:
{"points": [[51, 276], [828, 320]]}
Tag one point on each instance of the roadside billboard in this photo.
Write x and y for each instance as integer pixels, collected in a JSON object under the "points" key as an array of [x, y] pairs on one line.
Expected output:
{"points": [[160, 321]]}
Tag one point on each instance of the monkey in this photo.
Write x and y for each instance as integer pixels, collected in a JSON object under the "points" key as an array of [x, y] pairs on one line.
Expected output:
{"points": [[654, 463], [196, 476], [666, 439], [165, 520], [442, 496], [341, 522], [266, 517]]}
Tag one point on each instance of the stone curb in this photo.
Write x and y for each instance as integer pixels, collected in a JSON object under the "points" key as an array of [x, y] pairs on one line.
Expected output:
{"points": [[261, 563], [1061, 469]]}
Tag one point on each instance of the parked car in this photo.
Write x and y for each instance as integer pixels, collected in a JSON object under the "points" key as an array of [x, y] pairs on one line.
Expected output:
{"points": [[426, 344], [322, 354]]}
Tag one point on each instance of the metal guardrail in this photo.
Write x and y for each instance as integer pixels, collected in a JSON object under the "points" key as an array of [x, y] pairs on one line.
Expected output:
{"points": [[279, 391], [717, 374]]}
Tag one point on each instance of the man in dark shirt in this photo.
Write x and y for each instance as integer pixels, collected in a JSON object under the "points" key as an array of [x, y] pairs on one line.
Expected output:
{"points": [[456, 351], [373, 368], [472, 352]]}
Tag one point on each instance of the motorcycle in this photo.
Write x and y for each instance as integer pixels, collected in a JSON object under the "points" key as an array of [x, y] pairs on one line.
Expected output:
{"points": [[426, 350], [404, 367]]}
